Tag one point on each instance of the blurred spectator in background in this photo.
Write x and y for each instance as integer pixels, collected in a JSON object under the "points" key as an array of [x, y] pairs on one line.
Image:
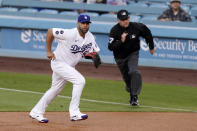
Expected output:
{"points": [[175, 13], [90, 1], [116, 2], [101, 1]]}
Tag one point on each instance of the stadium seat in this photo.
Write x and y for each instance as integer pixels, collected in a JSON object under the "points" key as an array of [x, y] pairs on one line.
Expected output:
{"points": [[48, 11], [131, 2], [72, 13], [91, 14], [149, 18], [158, 5], [135, 18], [10, 9], [191, 2], [1, 2], [139, 4], [108, 17], [194, 11], [186, 8], [155, 1], [28, 10], [69, 15], [194, 20]]}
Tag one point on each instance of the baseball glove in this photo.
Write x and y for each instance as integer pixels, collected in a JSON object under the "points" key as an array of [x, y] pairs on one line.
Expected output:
{"points": [[95, 58]]}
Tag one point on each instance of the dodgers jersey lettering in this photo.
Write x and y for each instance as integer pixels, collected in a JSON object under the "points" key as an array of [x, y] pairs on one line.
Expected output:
{"points": [[71, 45]]}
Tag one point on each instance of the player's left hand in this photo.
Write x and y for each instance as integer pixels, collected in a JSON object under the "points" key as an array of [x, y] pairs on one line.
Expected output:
{"points": [[95, 58]]}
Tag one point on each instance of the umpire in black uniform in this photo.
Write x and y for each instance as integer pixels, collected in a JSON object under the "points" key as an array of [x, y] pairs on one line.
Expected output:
{"points": [[125, 43]]}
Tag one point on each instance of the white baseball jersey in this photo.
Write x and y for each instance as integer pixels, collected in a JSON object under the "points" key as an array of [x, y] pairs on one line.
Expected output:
{"points": [[71, 45]]}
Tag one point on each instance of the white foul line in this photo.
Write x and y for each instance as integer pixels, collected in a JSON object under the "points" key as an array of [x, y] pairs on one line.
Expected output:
{"points": [[96, 101]]}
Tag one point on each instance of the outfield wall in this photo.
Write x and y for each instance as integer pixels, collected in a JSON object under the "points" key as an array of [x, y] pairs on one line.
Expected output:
{"points": [[176, 45]]}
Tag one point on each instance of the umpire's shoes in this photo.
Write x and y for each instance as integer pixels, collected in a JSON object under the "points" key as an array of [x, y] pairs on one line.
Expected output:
{"points": [[134, 101], [78, 117], [38, 117]]}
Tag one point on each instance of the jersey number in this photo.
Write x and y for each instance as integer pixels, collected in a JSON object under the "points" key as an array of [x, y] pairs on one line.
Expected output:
{"points": [[111, 40]]}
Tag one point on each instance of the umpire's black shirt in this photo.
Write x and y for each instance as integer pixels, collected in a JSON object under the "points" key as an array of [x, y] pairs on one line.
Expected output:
{"points": [[132, 42]]}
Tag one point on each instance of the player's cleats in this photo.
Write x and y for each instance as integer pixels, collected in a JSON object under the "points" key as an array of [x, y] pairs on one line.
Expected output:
{"points": [[79, 117], [38, 117]]}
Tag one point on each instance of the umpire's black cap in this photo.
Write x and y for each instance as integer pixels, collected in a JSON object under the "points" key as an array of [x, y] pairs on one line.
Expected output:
{"points": [[123, 15]]}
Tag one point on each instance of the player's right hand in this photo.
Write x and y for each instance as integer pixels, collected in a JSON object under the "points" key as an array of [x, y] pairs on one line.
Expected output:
{"points": [[51, 55]]}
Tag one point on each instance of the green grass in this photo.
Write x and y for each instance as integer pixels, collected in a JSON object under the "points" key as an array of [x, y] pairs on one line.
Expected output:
{"points": [[152, 95]]}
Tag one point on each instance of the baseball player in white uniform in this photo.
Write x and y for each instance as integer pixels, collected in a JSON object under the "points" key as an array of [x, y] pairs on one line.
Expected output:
{"points": [[72, 44]]}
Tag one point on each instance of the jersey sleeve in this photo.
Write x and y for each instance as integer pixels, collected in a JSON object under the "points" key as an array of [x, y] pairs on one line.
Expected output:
{"points": [[114, 42], [95, 47], [60, 33], [146, 33]]}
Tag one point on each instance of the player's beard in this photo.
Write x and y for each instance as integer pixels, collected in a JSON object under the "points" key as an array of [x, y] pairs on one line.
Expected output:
{"points": [[83, 30]]}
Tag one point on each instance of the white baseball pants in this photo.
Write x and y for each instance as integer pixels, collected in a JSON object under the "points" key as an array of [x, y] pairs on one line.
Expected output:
{"points": [[62, 72]]}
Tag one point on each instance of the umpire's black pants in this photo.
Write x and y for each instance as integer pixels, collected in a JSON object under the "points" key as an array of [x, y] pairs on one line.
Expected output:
{"points": [[130, 74]]}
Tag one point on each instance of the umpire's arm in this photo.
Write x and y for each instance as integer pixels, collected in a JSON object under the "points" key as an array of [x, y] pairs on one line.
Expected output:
{"points": [[113, 42], [49, 40], [146, 33]]}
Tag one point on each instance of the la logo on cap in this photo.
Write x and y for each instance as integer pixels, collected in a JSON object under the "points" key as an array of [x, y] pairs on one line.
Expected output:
{"points": [[85, 17]]}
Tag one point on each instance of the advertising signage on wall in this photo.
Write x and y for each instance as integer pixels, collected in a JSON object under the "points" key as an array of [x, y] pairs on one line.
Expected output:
{"points": [[33, 40], [172, 49], [181, 50]]}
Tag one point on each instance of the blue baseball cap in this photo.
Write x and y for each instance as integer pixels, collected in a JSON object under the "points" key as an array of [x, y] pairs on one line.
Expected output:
{"points": [[84, 18]]}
